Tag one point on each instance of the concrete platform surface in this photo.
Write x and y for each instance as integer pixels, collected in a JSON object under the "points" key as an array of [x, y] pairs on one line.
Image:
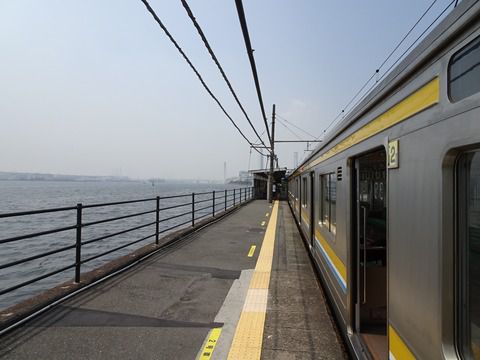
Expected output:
{"points": [[169, 306], [298, 324]]}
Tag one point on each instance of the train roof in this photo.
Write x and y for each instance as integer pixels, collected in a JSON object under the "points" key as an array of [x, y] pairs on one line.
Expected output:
{"points": [[461, 16]]}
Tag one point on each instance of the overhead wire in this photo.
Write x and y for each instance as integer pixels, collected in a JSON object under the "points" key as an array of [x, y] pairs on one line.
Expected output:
{"points": [[406, 35], [290, 130], [248, 45], [215, 59], [403, 54], [344, 109], [177, 46], [295, 126]]}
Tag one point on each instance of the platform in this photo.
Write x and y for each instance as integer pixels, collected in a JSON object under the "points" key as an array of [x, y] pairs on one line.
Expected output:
{"points": [[242, 288]]}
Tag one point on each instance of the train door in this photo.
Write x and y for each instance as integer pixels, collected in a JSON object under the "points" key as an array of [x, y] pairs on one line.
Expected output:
{"points": [[312, 208], [370, 263]]}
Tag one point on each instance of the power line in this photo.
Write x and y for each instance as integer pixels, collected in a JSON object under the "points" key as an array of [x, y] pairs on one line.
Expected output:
{"points": [[248, 45], [297, 127], [214, 57], [170, 37], [418, 38], [386, 60], [406, 35], [401, 56], [290, 130]]}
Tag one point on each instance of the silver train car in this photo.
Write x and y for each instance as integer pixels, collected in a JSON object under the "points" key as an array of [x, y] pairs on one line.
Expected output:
{"points": [[389, 204]]}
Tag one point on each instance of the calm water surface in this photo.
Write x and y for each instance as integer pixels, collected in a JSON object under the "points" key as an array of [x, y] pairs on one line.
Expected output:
{"points": [[34, 195]]}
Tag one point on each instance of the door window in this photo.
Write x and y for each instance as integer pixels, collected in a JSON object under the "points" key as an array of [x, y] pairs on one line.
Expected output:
{"points": [[468, 214]]}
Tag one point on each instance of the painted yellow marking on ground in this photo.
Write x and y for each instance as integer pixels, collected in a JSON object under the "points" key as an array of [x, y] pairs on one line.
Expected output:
{"points": [[263, 223], [247, 342], [252, 250], [210, 344]]}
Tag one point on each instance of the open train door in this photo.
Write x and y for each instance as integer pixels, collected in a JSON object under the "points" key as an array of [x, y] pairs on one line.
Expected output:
{"points": [[369, 261]]}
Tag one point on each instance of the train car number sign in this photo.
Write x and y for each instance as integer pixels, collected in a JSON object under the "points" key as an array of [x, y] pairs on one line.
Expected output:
{"points": [[393, 155]]}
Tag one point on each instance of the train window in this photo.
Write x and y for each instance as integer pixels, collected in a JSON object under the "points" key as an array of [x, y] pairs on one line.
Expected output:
{"points": [[468, 217], [464, 72], [333, 203], [304, 191], [328, 201], [325, 211], [297, 190]]}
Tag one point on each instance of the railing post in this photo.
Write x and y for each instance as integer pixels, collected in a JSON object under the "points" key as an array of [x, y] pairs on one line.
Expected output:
{"points": [[78, 245], [225, 199], [157, 222], [246, 194], [240, 196], [213, 204], [193, 209], [234, 197]]}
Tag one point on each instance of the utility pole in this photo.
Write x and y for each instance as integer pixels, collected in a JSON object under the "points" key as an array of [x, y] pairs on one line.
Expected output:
{"points": [[272, 160]]}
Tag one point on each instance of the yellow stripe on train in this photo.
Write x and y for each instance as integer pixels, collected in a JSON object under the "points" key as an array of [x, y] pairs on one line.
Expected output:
{"points": [[335, 260], [398, 349], [339, 265], [421, 99]]}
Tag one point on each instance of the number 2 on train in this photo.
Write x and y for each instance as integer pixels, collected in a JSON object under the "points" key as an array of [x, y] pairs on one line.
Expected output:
{"points": [[392, 162]]}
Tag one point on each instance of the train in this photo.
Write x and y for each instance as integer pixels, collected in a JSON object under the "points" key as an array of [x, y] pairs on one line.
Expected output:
{"points": [[389, 204]]}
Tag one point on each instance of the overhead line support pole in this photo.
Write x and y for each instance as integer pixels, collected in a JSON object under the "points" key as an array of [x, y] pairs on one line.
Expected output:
{"points": [[272, 160]]}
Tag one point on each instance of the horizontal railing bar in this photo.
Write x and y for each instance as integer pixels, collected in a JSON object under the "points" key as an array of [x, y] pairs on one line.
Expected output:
{"points": [[39, 256], [175, 196], [204, 193], [117, 233], [35, 212], [116, 249], [175, 206], [175, 216], [41, 233], [175, 226], [118, 203], [15, 287], [117, 218], [86, 206], [204, 208], [203, 216], [202, 201]]}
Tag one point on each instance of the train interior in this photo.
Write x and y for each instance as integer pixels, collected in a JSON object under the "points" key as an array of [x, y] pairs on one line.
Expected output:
{"points": [[370, 262]]}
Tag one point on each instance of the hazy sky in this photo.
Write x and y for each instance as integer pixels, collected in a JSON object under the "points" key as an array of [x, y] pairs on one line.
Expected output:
{"points": [[94, 87]]}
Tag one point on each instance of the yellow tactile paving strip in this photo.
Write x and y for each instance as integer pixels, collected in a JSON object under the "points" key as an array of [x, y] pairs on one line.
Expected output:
{"points": [[247, 342]]}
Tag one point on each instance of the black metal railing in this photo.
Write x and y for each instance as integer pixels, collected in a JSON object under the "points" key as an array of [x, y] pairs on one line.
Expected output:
{"points": [[178, 211]]}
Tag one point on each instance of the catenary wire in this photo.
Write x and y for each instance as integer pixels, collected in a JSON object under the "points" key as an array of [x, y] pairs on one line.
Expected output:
{"points": [[177, 46], [295, 126], [248, 45], [290, 130], [401, 56], [215, 59], [386, 60]]}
